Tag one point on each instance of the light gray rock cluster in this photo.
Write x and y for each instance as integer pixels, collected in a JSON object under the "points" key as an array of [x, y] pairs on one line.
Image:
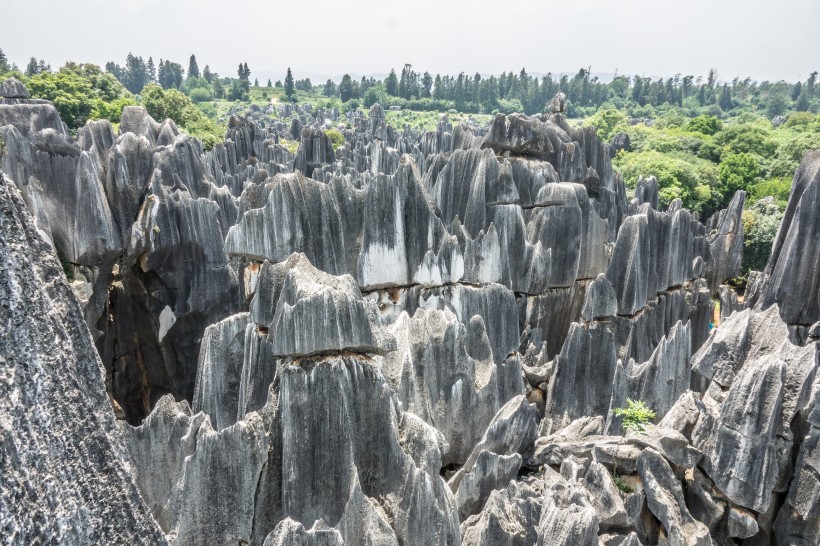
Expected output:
{"points": [[420, 337]]}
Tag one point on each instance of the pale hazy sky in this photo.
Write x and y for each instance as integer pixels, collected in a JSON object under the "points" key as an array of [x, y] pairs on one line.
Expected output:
{"points": [[763, 39]]}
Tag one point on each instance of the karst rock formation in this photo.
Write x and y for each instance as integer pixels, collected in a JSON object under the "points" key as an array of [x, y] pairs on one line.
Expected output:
{"points": [[416, 338]]}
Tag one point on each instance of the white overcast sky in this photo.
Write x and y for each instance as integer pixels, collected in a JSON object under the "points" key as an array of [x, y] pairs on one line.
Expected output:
{"points": [[763, 39]]}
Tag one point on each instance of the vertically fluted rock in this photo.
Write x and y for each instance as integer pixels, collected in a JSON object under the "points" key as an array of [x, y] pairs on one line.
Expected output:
{"points": [[665, 499], [581, 384], [798, 521], [390, 253], [63, 467], [219, 371], [314, 151], [444, 372], [646, 191], [129, 169], [760, 382], [659, 382], [727, 244], [302, 215], [792, 276]]}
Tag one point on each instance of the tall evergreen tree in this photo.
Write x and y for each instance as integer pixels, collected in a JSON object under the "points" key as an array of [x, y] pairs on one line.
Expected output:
{"points": [[725, 101], [4, 62], [218, 89], [170, 74], [207, 74], [802, 102], [33, 67], [391, 84], [346, 88], [329, 89], [796, 90], [152, 70], [135, 74], [193, 67], [811, 84], [289, 87], [427, 85], [637, 91], [438, 88], [269, 83]]}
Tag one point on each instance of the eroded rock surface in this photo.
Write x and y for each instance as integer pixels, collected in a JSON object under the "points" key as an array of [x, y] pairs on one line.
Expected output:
{"points": [[420, 337], [65, 476]]}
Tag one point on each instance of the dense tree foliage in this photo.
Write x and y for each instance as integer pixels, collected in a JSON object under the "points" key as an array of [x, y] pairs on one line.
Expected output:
{"points": [[174, 104], [638, 96], [80, 92], [761, 220], [170, 74], [35, 67]]}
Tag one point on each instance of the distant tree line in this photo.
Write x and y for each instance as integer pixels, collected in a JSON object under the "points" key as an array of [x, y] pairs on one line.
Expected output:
{"points": [[586, 93]]}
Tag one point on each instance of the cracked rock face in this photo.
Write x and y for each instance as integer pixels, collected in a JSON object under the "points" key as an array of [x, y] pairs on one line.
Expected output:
{"points": [[420, 337]]}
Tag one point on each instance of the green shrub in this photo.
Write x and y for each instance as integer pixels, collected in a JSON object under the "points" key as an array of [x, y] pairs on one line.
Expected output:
{"points": [[800, 120], [201, 94], [337, 139], [621, 484], [705, 125], [680, 175], [761, 220], [746, 138], [636, 415], [737, 172], [290, 145], [79, 92], [608, 123], [112, 111], [174, 104], [778, 188]]}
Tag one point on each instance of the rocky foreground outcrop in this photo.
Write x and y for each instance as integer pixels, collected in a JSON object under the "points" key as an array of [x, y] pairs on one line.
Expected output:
{"points": [[415, 338], [64, 471]]}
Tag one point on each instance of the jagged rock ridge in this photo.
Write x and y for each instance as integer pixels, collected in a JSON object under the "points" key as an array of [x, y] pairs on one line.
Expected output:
{"points": [[442, 322]]}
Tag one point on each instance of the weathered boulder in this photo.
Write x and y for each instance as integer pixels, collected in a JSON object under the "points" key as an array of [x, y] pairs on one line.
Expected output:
{"points": [[665, 499], [600, 300], [581, 384], [620, 141], [567, 516], [12, 88], [491, 472], [510, 516]]}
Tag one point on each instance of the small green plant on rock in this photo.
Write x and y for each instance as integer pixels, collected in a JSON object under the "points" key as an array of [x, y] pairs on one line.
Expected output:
{"points": [[621, 484], [637, 416], [68, 269]]}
